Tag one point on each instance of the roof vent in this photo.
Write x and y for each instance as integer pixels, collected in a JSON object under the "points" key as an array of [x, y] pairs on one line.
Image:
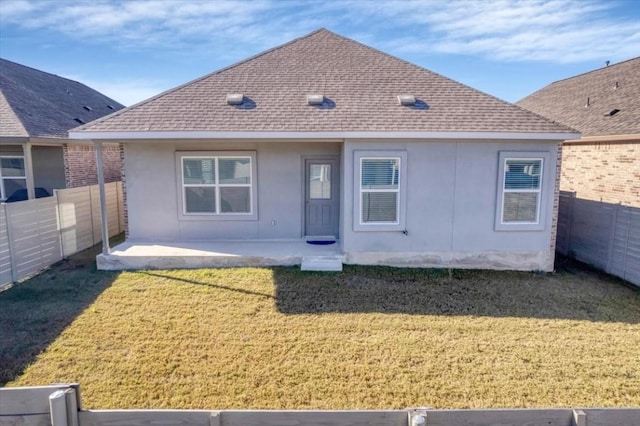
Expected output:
{"points": [[235, 99], [315, 99], [110, 107], [406, 100], [612, 112], [77, 120], [616, 86], [588, 103], [88, 108]]}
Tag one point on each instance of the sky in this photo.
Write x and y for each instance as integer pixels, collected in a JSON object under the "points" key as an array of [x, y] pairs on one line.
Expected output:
{"points": [[131, 50]]}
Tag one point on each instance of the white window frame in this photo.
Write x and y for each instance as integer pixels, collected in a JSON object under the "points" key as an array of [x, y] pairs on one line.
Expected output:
{"points": [[218, 214], [539, 223], [3, 194], [399, 223]]}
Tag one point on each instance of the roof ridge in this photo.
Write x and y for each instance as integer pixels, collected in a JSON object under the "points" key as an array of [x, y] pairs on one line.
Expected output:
{"points": [[593, 71], [218, 71]]}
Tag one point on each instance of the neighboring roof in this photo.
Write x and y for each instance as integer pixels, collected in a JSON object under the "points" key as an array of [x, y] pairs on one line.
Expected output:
{"points": [[10, 124], [360, 86], [613, 87], [36, 103]]}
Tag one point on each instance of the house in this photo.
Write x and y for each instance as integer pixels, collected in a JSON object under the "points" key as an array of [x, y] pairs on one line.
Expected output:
{"points": [[604, 164], [37, 110], [599, 216], [324, 139]]}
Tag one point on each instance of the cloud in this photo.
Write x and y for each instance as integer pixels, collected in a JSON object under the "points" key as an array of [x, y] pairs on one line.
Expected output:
{"points": [[139, 24], [557, 31]]}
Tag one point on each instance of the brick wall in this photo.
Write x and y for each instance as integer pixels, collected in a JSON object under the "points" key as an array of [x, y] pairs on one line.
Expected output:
{"points": [[603, 171], [80, 164]]}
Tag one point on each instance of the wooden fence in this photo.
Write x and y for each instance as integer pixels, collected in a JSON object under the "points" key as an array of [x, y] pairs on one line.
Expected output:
{"points": [[604, 235], [37, 233], [61, 405]]}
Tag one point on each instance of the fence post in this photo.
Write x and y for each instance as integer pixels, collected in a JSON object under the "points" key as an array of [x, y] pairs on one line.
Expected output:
{"points": [[12, 259], [72, 406], [579, 418], [214, 419], [612, 237], [626, 246], [59, 219], [418, 420], [570, 204], [58, 408]]}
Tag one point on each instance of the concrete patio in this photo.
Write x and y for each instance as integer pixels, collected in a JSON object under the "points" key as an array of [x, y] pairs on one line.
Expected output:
{"points": [[132, 255]]}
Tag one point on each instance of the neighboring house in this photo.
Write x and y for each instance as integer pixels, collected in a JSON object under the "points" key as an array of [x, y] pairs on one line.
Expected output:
{"points": [[36, 110], [600, 210], [324, 137], [604, 105]]}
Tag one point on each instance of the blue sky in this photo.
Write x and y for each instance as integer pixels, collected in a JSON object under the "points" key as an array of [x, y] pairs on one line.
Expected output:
{"points": [[131, 50]]}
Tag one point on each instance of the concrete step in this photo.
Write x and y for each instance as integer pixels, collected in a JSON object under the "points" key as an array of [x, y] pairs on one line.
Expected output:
{"points": [[321, 263]]}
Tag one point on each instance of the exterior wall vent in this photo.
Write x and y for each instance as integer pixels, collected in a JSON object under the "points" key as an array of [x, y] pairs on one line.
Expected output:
{"points": [[235, 99], [406, 100], [315, 99]]}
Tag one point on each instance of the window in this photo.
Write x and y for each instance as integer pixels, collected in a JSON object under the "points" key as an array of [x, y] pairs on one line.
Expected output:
{"points": [[320, 181], [380, 190], [217, 185], [520, 189], [12, 176]]}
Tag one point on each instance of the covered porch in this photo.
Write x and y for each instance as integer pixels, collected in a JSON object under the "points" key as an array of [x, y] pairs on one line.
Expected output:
{"points": [[132, 255]]}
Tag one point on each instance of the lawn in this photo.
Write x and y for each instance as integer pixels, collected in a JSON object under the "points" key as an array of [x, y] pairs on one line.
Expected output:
{"points": [[369, 337]]}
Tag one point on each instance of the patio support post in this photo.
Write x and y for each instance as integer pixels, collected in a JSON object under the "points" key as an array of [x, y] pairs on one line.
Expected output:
{"points": [[28, 169], [103, 199]]}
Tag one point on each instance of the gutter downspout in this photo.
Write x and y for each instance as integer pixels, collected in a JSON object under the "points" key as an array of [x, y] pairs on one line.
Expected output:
{"points": [[103, 199]]}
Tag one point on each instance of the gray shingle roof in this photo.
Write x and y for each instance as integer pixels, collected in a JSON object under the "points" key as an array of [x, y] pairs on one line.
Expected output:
{"points": [[36, 103], [360, 85], [565, 100]]}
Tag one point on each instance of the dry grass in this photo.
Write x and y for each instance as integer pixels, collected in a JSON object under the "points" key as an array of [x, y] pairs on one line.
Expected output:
{"points": [[364, 338]]}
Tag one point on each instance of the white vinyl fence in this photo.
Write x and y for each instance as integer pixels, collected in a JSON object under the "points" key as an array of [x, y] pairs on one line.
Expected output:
{"points": [[61, 405], [604, 235], [37, 233]]}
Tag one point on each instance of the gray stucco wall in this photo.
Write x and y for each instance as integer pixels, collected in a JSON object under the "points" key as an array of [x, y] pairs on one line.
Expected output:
{"points": [[151, 175], [450, 209], [450, 202], [48, 167]]}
